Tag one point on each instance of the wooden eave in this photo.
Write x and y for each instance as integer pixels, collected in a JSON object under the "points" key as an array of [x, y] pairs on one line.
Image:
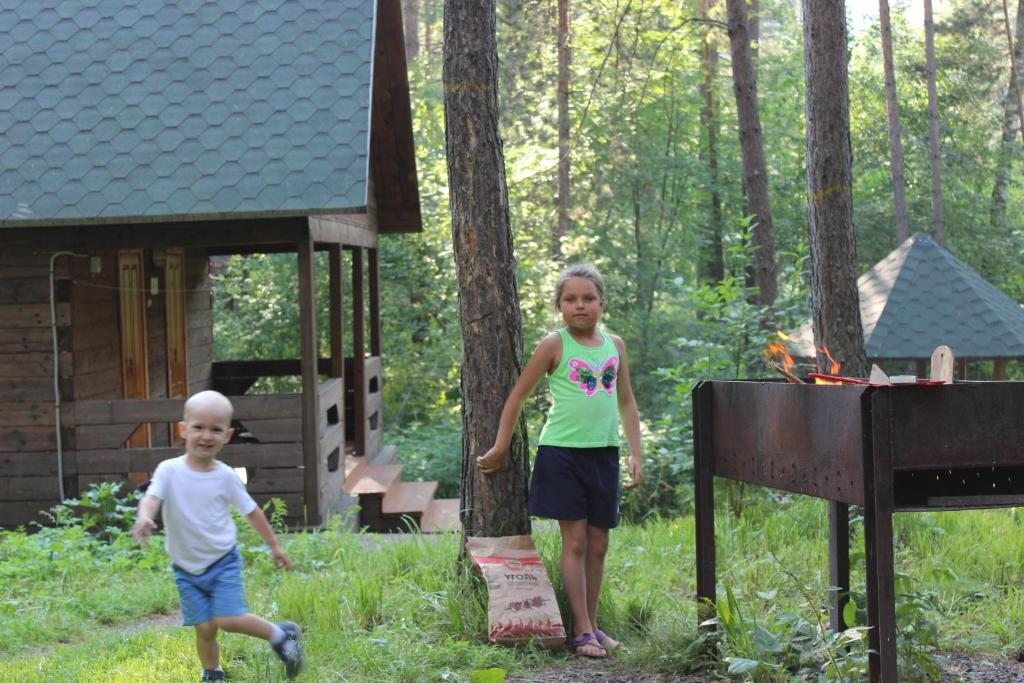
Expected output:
{"points": [[394, 186], [234, 236]]}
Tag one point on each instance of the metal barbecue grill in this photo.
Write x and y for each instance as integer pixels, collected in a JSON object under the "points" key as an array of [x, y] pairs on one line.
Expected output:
{"points": [[890, 449]]}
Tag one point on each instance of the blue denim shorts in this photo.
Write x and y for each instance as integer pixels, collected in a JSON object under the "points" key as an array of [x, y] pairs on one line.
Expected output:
{"points": [[576, 483], [217, 592]]}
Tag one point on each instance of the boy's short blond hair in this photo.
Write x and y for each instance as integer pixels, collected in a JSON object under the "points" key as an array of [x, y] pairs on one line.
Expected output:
{"points": [[209, 398]]}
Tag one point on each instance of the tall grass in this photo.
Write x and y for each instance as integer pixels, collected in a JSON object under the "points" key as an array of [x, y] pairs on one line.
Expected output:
{"points": [[397, 608]]}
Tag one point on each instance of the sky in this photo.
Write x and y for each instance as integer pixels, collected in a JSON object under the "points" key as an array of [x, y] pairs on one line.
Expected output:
{"points": [[862, 13]]}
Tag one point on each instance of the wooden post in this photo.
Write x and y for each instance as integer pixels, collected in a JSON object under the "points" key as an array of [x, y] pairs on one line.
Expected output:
{"points": [[310, 381], [358, 350], [374, 276], [337, 307], [999, 369], [838, 562]]}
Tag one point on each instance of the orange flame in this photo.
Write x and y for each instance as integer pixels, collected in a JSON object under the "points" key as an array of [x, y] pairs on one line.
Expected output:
{"points": [[834, 365], [777, 351]]}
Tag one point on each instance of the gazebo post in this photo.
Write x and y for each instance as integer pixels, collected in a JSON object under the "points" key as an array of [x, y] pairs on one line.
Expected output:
{"points": [[310, 380], [999, 369], [337, 296]]}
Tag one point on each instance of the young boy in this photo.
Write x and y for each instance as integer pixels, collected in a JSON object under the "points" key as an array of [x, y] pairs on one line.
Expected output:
{"points": [[196, 491]]}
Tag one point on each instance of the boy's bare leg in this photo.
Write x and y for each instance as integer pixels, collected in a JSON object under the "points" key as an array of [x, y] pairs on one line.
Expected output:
{"points": [[206, 645], [249, 624]]}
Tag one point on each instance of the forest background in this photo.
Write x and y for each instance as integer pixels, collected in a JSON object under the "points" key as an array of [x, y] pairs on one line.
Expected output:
{"points": [[656, 186]]}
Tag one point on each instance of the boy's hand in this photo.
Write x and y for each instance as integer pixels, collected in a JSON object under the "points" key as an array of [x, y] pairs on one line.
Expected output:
{"points": [[281, 559], [142, 528], [636, 473], [492, 461]]}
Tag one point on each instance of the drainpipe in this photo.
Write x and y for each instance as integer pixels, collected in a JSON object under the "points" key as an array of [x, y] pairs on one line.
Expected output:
{"points": [[56, 370]]}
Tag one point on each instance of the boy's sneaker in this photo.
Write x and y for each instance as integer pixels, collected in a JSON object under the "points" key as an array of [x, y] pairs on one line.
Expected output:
{"points": [[289, 650], [211, 675]]}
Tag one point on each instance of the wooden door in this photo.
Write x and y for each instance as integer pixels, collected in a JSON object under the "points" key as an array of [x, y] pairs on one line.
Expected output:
{"points": [[134, 358]]}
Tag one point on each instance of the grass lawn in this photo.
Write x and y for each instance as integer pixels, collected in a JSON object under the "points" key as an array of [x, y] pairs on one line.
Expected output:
{"points": [[395, 608]]}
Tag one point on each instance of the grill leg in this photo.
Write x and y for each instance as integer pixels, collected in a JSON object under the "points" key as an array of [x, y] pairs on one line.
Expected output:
{"points": [[838, 562], [704, 501], [878, 511]]}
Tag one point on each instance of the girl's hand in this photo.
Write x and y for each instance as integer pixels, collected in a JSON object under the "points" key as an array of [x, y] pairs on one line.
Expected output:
{"points": [[636, 473], [492, 461]]}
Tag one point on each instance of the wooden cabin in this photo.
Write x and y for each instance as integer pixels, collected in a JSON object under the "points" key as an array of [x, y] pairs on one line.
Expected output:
{"points": [[135, 143]]}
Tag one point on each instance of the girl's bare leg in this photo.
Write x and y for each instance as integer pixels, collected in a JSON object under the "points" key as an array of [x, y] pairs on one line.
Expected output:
{"points": [[575, 577], [597, 548]]}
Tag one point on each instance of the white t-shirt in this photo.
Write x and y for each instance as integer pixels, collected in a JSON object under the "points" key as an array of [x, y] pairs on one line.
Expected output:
{"points": [[197, 511]]}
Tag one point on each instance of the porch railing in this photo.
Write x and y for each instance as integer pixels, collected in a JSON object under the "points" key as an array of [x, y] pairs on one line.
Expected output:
{"points": [[268, 442]]}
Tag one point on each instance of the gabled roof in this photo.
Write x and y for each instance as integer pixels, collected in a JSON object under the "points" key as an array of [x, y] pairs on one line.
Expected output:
{"points": [[191, 109], [921, 296]]}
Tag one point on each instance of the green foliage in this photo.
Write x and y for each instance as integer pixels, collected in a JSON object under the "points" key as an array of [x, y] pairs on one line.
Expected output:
{"points": [[432, 452], [725, 340], [398, 608], [102, 511]]}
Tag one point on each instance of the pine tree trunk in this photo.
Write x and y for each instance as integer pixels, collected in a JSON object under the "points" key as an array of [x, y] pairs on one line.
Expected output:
{"points": [[564, 158], [755, 175], [938, 223], [834, 298], [492, 338], [892, 107], [711, 264]]}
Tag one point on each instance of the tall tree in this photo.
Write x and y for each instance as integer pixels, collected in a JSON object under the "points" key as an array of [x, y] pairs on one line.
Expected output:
{"points": [[938, 223], [711, 266], [1013, 120], [835, 301], [492, 338], [564, 161], [411, 21], [892, 108], [1014, 68], [755, 175]]}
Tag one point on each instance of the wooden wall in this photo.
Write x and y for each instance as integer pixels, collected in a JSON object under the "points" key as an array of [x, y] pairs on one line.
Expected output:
{"points": [[88, 320], [28, 465], [90, 366]]}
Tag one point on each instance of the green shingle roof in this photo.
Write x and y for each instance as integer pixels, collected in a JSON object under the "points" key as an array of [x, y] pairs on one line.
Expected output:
{"points": [[921, 296], [114, 110]]}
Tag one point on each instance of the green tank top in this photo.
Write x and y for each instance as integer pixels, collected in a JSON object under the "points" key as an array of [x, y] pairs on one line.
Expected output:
{"points": [[585, 408]]}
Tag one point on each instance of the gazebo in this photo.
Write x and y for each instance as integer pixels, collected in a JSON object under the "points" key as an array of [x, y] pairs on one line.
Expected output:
{"points": [[921, 296], [138, 141]]}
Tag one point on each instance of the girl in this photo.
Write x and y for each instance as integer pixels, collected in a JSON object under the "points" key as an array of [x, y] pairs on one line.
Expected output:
{"points": [[576, 474]]}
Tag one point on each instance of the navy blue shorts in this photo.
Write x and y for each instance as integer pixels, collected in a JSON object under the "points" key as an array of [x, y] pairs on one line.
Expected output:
{"points": [[576, 483]]}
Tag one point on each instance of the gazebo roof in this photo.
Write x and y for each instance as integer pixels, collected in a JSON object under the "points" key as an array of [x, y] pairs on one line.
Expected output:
{"points": [[921, 296], [189, 110]]}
